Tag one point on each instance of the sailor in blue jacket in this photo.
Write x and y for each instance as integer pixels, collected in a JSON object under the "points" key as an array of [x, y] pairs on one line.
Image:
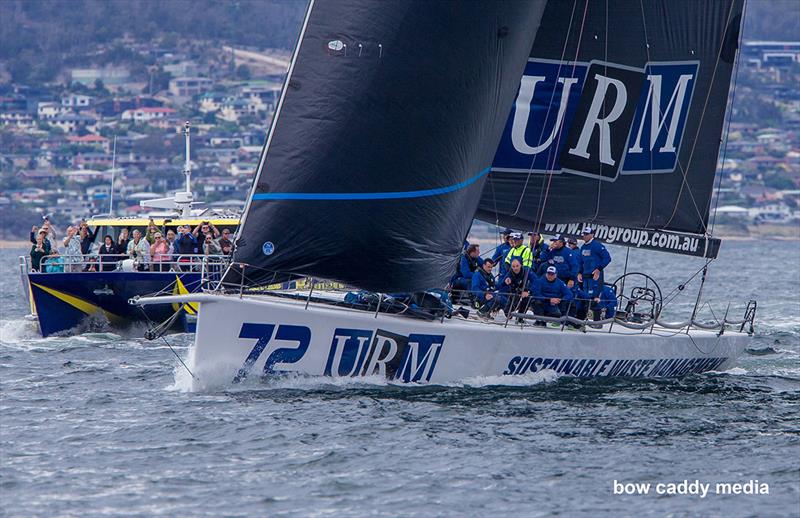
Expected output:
{"points": [[550, 295], [467, 264], [562, 258], [515, 287], [483, 289], [593, 260], [502, 249], [604, 298]]}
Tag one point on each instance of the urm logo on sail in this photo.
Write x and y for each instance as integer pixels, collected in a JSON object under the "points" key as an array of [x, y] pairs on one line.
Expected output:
{"points": [[598, 119]]}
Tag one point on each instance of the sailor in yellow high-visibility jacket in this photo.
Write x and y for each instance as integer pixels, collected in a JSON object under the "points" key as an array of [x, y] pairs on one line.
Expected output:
{"points": [[519, 251]]}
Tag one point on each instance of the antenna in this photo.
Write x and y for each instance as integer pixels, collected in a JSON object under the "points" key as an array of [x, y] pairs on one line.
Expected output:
{"points": [[182, 201], [187, 167], [113, 171]]}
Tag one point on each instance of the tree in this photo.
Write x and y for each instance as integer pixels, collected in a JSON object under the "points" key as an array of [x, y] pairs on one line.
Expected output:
{"points": [[243, 72]]}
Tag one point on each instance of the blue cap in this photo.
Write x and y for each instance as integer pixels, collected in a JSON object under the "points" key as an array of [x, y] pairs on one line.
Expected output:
{"points": [[506, 232], [588, 229]]}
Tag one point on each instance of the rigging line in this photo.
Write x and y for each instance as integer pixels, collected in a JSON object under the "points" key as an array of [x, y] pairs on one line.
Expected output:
{"points": [[551, 166], [652, 177], [672, 295], [605, 59], [730, 116], [684, 173], [180, 359], [549, 107]]}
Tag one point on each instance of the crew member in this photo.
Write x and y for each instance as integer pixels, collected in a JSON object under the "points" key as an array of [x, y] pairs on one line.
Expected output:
{"points": [[483, 289], [516, 286], [551, 295], [537, 245], [502, 250], [593, 260], [467, 265], [519, 251], [604, 300], [562, 258]]}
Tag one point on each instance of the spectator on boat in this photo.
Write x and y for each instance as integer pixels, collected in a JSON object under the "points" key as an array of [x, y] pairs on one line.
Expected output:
{"points": [[467, 264], [516, 287], [91, 265], [593, 260], [551, 295], [225, 242], [150, 234], [483, 288], [122, 241], [73, 250], [53, 263], [160, 255], [108, 254], [185, 244], [39, 250], [502, 250], [519, 251], [562, 258], [204, 229], [46, 231], [87, 238], [211, 246], [537, 245], [139, 250], [171, 241]]}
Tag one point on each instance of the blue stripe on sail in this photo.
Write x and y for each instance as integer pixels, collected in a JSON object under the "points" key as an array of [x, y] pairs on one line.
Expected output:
{"points": [[368, 195]]}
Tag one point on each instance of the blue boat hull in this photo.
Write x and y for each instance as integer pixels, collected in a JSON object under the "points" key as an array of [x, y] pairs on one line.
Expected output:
{"points": [[64, 301]]}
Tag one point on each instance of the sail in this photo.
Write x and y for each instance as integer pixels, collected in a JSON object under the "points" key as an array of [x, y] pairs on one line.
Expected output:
{"points": [[618, 117], [382, 139]]}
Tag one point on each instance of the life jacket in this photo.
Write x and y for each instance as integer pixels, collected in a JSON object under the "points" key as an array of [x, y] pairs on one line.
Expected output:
{"points": [[488, 277]]}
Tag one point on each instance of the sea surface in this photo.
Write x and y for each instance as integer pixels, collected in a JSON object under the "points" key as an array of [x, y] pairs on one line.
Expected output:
{"points": [[102, 424]]}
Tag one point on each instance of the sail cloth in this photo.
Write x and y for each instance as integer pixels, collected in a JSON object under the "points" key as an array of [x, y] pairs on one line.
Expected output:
{"points": [[382, 140], [618, 117]]}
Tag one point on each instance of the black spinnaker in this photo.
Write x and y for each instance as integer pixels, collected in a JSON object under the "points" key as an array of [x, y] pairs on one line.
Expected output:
{"points": [[382, 140], [618, 117]]}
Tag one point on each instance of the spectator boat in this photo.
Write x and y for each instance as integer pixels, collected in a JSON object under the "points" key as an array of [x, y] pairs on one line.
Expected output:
{"points": [[86, 292], [395, 128]]}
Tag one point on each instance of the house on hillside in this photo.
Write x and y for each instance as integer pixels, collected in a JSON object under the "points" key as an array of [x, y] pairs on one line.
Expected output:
{"points": [[97, 141], [77, 101], [72, 123], [147, 115], [190, 86]]}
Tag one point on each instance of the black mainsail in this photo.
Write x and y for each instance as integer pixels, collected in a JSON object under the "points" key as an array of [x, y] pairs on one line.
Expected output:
{"points": [[382, 140], [618, 118]]}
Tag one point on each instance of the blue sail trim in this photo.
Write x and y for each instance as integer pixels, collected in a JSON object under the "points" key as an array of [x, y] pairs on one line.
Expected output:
{"points": [[369, 195]]}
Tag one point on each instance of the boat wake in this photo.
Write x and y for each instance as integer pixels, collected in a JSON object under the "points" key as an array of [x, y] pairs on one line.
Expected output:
{"points": [[19, 330]]}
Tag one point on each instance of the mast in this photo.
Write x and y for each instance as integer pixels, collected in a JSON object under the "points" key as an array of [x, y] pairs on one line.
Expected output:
{"points": [[113, 171], [187, 166], [182, 201]]}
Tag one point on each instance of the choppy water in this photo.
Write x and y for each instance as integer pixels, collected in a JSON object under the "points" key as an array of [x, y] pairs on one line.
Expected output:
{"points": [[99, 424]]}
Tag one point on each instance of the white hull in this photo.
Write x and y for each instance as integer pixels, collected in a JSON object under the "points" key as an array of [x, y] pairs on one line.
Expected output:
{"points": [[251, 336]]}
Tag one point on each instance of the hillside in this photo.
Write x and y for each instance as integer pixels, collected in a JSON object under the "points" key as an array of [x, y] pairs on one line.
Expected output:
{"points": [[38, 37]]}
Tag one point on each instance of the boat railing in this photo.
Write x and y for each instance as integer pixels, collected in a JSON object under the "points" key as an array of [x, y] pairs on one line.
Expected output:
{"points": [[210, 267], [310, 290]]}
